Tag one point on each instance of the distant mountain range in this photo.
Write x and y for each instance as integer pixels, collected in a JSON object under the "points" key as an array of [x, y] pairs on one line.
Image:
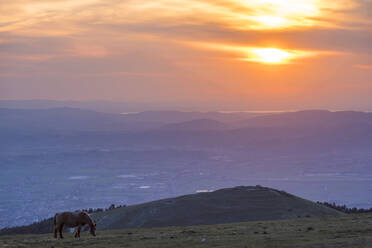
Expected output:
{"points": [[66, 118], [116, 107], [306, 130], [185, 116], [308, 118], [99, 105], [80, 119], [229, 205]]}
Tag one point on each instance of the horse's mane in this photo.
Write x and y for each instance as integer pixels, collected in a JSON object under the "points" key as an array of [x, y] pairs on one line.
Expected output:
{"points": [[89, 218]]}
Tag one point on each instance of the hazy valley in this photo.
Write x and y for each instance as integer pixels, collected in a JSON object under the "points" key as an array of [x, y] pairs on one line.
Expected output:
{"points": [[66, 159]]}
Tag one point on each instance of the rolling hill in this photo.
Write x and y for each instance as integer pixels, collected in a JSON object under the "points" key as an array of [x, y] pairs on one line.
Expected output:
{"points": [[222, 206], [239, 204]]}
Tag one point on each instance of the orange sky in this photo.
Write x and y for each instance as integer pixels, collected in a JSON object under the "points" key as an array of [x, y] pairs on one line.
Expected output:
{"points": [[200, 54]]}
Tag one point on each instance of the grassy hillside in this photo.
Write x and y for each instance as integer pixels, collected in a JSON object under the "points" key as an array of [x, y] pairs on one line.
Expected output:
{"points": [[229, 205], [222, 206], [347, 231]]}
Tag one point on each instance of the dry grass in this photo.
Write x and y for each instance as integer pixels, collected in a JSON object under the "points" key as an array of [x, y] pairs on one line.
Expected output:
{"points": [[354, 231]]}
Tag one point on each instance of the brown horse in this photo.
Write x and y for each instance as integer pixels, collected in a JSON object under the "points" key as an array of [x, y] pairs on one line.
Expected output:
{"points": [[73, 219]]}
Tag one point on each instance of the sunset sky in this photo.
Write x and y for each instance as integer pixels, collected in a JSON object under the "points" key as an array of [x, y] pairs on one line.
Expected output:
{"points": [[206, 54]]}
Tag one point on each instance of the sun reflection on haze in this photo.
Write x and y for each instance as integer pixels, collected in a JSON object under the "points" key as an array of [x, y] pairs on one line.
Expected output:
{"points": [[264, 55]]}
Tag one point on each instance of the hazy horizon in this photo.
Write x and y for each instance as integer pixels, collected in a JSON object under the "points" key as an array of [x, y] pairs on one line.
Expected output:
{"points": [[159, 106]]}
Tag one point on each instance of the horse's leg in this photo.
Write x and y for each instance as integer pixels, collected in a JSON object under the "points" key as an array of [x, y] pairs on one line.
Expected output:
{"points": [[77, 232], [55, 231], [55, 225], [79, 228], [60, 228]]}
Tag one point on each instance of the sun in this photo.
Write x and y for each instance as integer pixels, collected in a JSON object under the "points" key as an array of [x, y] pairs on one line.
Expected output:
{"points": [[270, 55]]}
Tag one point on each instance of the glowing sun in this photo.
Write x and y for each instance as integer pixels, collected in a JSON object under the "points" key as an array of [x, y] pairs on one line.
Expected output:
{"points": [[263, 55], [270, 55]]}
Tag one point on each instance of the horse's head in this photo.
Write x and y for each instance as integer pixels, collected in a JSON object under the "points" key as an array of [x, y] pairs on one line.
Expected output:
{"points": [[92, 224], [93, 228]]}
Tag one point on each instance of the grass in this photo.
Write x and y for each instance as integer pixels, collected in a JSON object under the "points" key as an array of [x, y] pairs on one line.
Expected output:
{"points": [[354, 231]]}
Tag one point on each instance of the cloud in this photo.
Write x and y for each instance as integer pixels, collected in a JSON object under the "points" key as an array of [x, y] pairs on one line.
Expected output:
{"points": [[236, 14], [87, 50], [261, 54], [365, 67], [87, 27], [142, 46]]}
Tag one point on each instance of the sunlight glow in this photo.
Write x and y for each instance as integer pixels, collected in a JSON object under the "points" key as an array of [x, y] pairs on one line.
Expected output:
{"points": [[271, 21], [40, 17], [264, 55], [270, 55], [270, 14]]}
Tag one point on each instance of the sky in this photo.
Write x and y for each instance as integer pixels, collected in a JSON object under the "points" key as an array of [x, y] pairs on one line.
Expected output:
{"points": [[201, 54]]}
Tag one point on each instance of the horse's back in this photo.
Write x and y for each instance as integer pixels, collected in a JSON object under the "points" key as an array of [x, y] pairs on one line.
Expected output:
{"points": [[68, 218]]}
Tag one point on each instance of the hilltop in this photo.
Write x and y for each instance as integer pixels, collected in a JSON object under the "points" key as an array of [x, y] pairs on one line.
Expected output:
{"points": [[239, 204], [222, 206]]}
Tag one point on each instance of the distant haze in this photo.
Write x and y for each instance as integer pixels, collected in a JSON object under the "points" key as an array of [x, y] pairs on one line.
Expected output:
{"points": [[124, 107], [104, 158]]}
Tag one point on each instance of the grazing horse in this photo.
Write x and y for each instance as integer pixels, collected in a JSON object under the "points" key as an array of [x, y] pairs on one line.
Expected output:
{"points": [[73, 219]]}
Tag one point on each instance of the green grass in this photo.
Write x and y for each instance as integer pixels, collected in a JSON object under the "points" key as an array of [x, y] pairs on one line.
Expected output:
{"points": [[352, 231]]}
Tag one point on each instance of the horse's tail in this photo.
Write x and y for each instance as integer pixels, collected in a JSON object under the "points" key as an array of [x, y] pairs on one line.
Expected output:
{"points": [[55, 225]]}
